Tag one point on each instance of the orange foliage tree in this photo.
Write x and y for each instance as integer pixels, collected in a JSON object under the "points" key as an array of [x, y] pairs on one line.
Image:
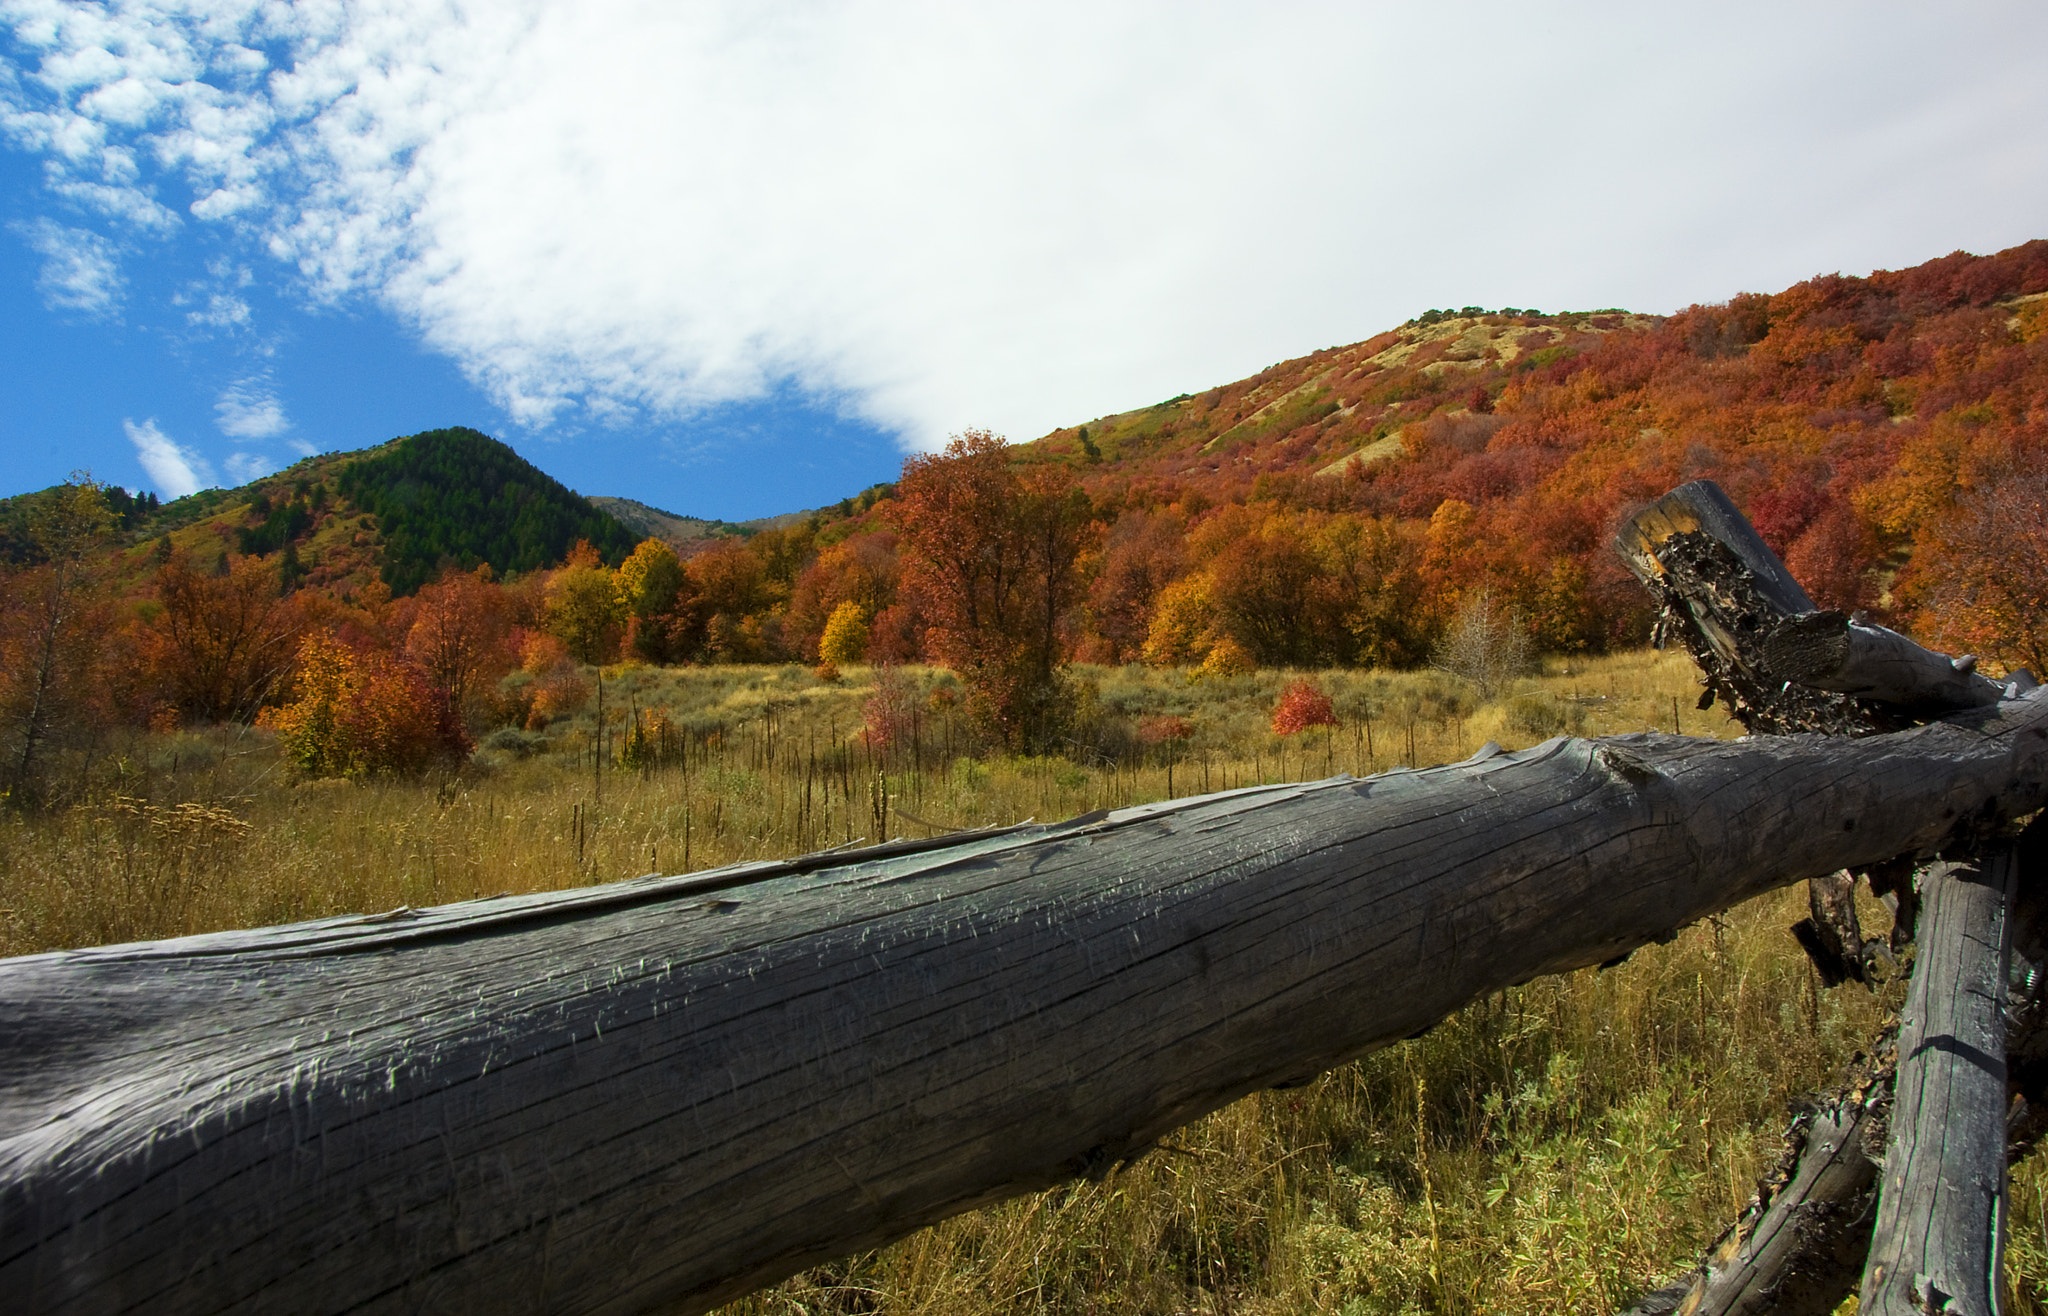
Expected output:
{"points": [[223, 641], [353, 714], [54, 618], [992, 557], [458, 635]]}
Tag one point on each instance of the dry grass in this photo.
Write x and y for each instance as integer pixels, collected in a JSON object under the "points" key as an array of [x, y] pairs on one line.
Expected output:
{"points": [[1557, 1148]]}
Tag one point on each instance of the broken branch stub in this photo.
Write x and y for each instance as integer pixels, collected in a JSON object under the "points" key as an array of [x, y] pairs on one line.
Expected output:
{"points": [[1831, 651], [1721, 591]]}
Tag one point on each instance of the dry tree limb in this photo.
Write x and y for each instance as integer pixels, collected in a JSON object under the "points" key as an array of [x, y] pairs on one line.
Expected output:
{"points": [[1832, 935], [1783, 666], [1800, 1245], [1721, 591], [1830, 651]]}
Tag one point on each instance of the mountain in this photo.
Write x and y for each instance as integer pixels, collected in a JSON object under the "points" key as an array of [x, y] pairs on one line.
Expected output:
{"points": [[1888, 435], [683, 533], [401, 512], [455, 496]]}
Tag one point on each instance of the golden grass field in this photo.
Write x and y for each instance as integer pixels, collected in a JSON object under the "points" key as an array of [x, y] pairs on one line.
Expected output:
{"points": [[1559, 1147]]}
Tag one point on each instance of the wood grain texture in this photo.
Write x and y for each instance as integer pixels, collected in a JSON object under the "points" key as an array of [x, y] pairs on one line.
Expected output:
{"points": [[673, 1090], [1702, 505], [1940, 1219]]}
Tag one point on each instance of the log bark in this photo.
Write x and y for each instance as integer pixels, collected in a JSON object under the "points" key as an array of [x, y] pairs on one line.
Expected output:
{"points": [[1832, 935], [1941, 1215], [1821, 1201], [1701, 506], [673, 1090]]}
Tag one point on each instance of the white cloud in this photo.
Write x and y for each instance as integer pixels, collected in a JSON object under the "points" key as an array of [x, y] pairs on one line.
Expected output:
{"points": [[1019, 216], [223, 311], [80, 271], [250, 409], [247, 466], [177, 470]]}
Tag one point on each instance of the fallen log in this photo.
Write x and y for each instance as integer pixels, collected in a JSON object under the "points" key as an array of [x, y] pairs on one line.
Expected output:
{"points": [[673, 1090], [1783, 666], [1941, 1213]]}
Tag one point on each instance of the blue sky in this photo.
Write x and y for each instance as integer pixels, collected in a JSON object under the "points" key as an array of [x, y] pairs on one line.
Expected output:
{"points": [[739, 258]]}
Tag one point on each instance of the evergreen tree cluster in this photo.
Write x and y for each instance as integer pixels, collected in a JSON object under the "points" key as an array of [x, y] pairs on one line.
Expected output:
{"points": [[456, 495], [283, 523]]}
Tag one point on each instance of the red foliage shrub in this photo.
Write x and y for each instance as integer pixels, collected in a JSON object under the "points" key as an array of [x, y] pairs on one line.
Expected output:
{"points": [[1302, 705]]}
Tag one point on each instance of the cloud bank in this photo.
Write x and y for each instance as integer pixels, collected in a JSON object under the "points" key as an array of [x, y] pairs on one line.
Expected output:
{"points": [[935, 216]]}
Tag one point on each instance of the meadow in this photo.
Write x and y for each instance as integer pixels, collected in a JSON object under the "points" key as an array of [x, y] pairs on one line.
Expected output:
{"points": [[1559, 1147]]}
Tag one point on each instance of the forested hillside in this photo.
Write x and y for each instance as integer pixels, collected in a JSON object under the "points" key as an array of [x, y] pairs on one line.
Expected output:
{"points": [[1885, 433], [1360, 505], [458, 497]]}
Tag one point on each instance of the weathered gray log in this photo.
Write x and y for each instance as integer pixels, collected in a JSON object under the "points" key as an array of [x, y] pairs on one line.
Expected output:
{"points": [[1820, 1202], [1701, 505], [1830, 651], [1941, 1212], [678, 1089]]}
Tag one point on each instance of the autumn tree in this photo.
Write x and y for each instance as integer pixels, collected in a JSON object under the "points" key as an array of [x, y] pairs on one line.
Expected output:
{"points": [[458, 634], [1262, 587], [1183, 625], [223, 641], [1982, 571], [582, 607], [353, 714], [649, 578], [846, 635], [734, 594], [1143, 553], [860, 569], [992, 556], [659, 604], [53, 618]]}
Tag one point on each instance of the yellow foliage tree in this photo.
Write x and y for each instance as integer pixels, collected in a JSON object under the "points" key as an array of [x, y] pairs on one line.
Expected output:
{"points": [[583, 611], [648, 580], [846, 635], [353, 715], [327, 683], [1183, 623]]}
